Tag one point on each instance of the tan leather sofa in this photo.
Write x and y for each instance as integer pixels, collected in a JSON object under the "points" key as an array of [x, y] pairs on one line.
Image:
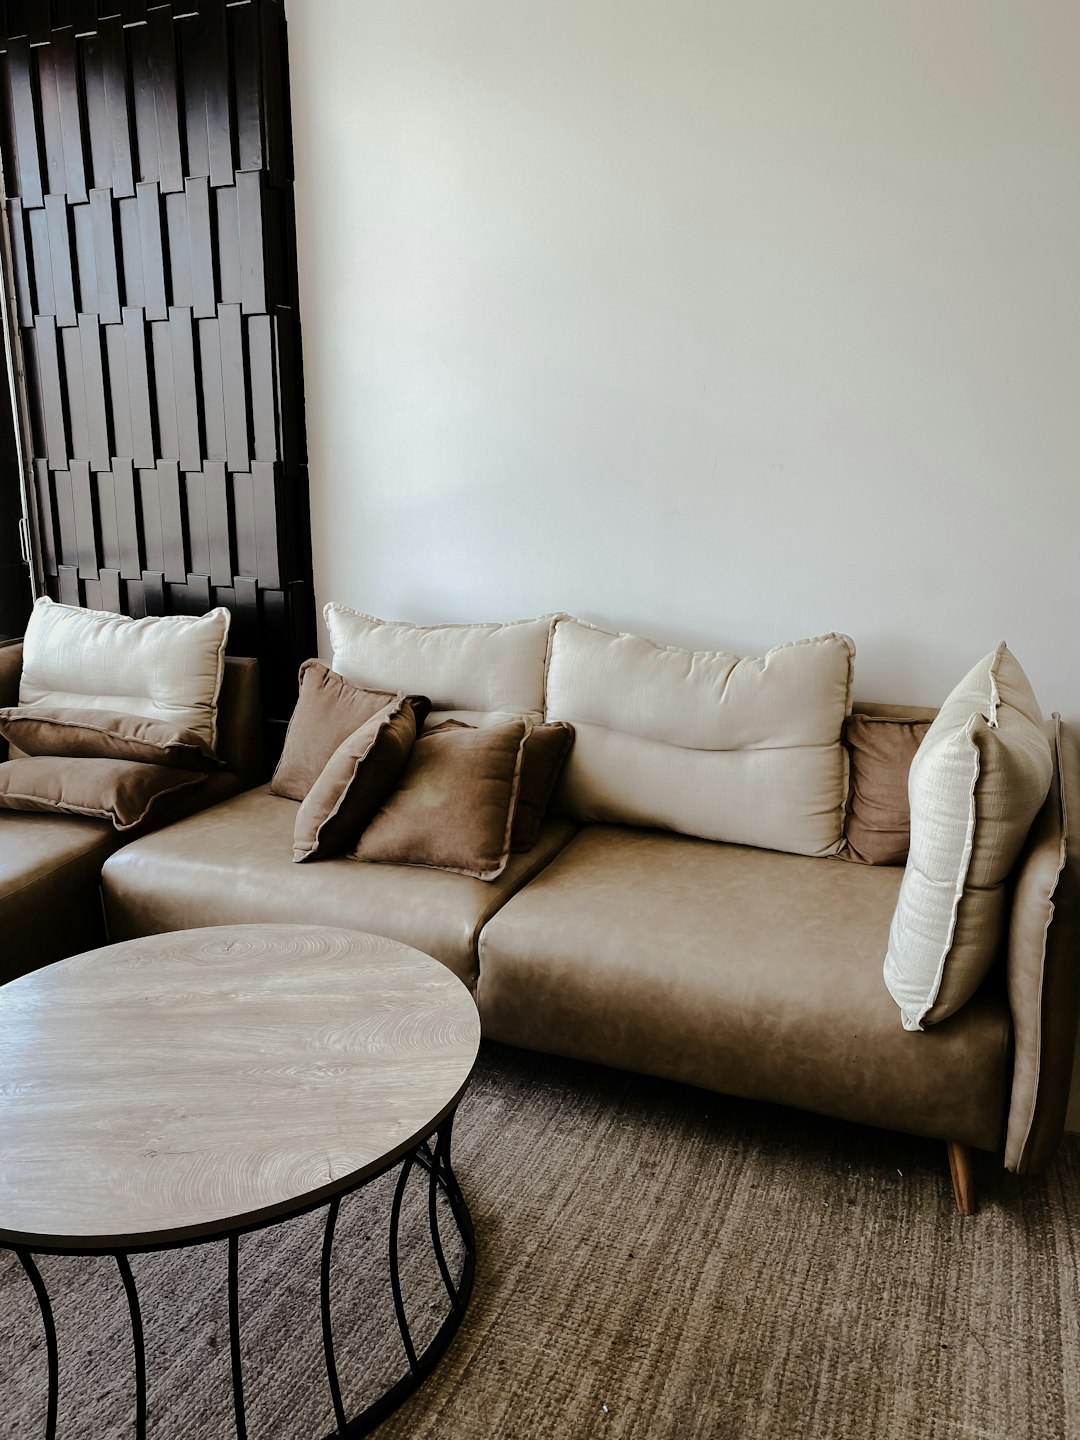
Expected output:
{"points": [[745, 971], [749, 962], [50, 865]]}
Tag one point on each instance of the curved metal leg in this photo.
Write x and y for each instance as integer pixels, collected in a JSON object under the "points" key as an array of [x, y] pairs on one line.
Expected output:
{"points": [[327, 1324], [395, 1277], [137, 1340], [434, 1184], [34, 1276], [234, 1337]]}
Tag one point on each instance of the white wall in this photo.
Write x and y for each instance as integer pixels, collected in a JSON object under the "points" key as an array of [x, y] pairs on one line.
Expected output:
{"points": [[724, 321]]}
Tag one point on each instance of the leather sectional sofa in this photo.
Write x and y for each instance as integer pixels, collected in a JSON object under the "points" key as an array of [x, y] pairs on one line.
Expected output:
{"points": [[743, 969]]}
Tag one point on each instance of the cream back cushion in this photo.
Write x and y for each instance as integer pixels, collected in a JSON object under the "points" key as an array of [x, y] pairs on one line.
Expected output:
{"points": [[164, 667], [977, 782], [703, 742], [479, 672]]}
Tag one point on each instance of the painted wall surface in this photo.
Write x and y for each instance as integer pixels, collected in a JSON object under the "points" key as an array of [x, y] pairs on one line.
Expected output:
{"points": [[724, 323]]}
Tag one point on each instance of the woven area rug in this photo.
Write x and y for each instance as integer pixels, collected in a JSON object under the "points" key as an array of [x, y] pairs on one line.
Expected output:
{"points": [[654, 1262]]}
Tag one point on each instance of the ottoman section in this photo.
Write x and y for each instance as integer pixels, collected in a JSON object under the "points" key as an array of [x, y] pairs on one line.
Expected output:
{"points": [[233, 865], [50, 878], [744, 971]]}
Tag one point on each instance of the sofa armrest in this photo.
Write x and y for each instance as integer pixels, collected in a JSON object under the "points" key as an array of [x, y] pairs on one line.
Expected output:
{"points": [[240, 720], [1043, 968]]}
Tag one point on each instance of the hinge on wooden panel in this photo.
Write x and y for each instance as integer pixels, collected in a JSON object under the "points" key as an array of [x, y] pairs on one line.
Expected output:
{"points": [[24, 541]]}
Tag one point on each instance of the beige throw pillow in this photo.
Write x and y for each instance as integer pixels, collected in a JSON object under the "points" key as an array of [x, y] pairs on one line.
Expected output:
{"points": [[975, 785], [454, 807], [354, 783], [164, 667]]}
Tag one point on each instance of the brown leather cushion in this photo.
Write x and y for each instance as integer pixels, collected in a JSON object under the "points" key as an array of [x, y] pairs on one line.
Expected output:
{"points": [[103, 735], [880, 748], [546, 750], [122, 791], [454, 808], [233, 864], [355, 781], [329, 708]]}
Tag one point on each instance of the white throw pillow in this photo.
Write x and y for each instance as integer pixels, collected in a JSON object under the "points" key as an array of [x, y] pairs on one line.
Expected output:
{"points": [[479, 672], [164, 667], [703, 742], [977, 782]]}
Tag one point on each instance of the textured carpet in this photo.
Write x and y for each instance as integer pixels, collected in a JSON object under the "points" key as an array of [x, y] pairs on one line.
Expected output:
{"points": [[654, 1262]]}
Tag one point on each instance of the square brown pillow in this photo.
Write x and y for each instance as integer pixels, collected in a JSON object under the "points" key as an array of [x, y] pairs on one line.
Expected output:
{"points": [[546, 750], [354, 783], [881, 748], [103, 735], [454, 806], [328, 709], [123, 791]]}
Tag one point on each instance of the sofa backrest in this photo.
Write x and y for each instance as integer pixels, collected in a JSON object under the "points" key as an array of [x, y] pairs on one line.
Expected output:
{"points": [[477, 673], [702, 742]]}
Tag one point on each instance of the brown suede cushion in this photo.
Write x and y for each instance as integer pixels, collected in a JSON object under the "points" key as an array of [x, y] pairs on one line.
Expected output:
{"points": [[454, 808], [881, 749], [546, 750], [103, 735], [328, 709], [123, 791], [354, 783]]}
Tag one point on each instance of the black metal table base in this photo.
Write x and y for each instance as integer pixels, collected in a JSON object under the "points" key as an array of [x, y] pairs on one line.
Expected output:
{"points": [[432, 1159]]}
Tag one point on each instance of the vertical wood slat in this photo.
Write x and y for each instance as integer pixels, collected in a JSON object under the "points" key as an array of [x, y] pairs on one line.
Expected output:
{"points": [[128, 520], [44, 302], [173, 530], [197, 523], [67, 535], [143, 445], [47, 357], [68, 578], [243, 507], [20, 262], [61, 116], [79, 434], [104, 240], [123, 444], [190, 443], [97, 414], [267, 500], [153, 262], [27, 142], [105, 492], [131, 252], [220, 524], [166, 101], [47, 523], [56, 212], [86, 524]]}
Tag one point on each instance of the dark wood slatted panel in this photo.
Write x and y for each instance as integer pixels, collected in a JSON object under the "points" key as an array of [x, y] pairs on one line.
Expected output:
{"points": [[147, 156]]}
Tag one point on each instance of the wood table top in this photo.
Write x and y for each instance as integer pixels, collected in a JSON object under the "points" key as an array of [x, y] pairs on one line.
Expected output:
{"points": [[180, 1085]]}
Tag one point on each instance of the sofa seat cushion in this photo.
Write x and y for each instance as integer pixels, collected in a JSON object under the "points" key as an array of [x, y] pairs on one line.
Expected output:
{"points": [[744, 971], [233, 864]]}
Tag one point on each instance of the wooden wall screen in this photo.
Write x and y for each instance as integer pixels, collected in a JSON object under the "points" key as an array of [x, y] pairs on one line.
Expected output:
{"points": [[148, 178]]}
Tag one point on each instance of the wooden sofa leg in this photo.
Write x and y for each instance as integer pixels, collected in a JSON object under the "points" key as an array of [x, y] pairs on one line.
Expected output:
{"points": [[963, 1183]]}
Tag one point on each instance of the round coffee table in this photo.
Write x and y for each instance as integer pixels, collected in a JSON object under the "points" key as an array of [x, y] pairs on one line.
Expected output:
{"points": [[194, 1086]]}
